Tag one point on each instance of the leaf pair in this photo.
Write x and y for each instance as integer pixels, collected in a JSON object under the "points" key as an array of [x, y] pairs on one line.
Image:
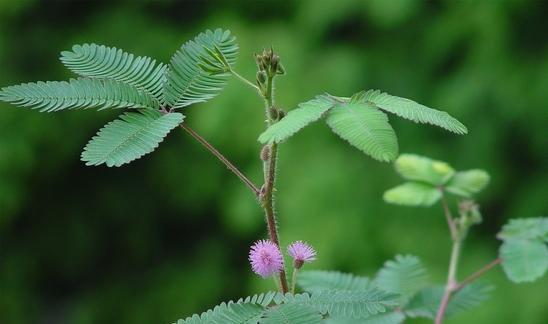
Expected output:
{"points": [[405, 276], [428, 178], [112, 78], [360, 120], [524, 252], [273, 308]]}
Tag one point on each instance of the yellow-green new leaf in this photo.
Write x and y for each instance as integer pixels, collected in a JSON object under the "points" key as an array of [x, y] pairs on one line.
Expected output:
{"points": [[366, 128], [423, 169], [413, 194], [130, 137], [296, 119], [467, 183]]}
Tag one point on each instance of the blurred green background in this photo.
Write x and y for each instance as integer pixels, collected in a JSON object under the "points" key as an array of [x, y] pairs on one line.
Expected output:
{"points": [[168, 235]]}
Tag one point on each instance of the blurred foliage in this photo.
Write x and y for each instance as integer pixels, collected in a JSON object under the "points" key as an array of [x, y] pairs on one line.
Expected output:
{"points": [[168, 235]]}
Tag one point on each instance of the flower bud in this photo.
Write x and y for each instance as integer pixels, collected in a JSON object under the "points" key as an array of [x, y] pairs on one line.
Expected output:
{"points": [[261, 77]]}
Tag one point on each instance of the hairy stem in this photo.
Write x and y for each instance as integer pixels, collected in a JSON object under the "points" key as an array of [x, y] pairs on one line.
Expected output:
{"points": [[478, 273], [222, 158], [267, 192]]}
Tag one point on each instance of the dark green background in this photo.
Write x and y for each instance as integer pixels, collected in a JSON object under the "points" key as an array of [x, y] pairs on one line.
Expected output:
{"points": [[169, 234]]}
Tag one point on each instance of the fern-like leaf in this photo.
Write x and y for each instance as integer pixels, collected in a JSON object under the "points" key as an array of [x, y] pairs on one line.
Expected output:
{"points": [[130, 137], [77, 93], [245, 311], [414, 111], [412, 194], [346, 303], [366, 128], [291, 314], [405, 275], [427, 301], [99, 61], [233, 313], [317, 280], [394, 317], [296, 119], [187, 82]]}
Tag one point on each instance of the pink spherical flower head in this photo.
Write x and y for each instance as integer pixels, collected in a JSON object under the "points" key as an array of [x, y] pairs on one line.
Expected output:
{"points": [[265, 258], [301, 253]]}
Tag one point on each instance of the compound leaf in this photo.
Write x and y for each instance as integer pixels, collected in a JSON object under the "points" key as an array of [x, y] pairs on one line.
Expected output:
{"points": [[77, 93], [388, 318], [405, 275], [426, 302], [414, 111], [245, 311], [317, 280], [291, 314], [99, 61], [187, 81], [130, 137], [346, 303], [412, 194], [296, 119], [366, 128]]}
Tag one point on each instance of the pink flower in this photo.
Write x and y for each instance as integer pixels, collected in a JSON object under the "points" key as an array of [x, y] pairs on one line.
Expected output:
{"points": [[301, 253], [265, 258]]}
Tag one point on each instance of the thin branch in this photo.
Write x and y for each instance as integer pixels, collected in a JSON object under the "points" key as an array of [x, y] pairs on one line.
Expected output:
{"points": [[448, 216], [451, 281], [246, 81], [478, 273], [222, 158]]}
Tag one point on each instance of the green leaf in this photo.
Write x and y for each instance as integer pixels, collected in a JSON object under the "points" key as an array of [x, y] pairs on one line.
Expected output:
{"points": [[413, 111], [291, 314], [130, 137], [405, 275], [187, 82], [423, 169], [412, 194], [366, 128], [426, 302], [99, 61], [525, 228], [467, 183], [77, 93], [245, 311], [317, 280], [524, 260], [296, 119], [347, 304], [388, 318], [227, 313]]}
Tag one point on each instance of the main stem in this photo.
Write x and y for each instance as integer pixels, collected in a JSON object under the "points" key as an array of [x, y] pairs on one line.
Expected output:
{"points": [[267, 192]]}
